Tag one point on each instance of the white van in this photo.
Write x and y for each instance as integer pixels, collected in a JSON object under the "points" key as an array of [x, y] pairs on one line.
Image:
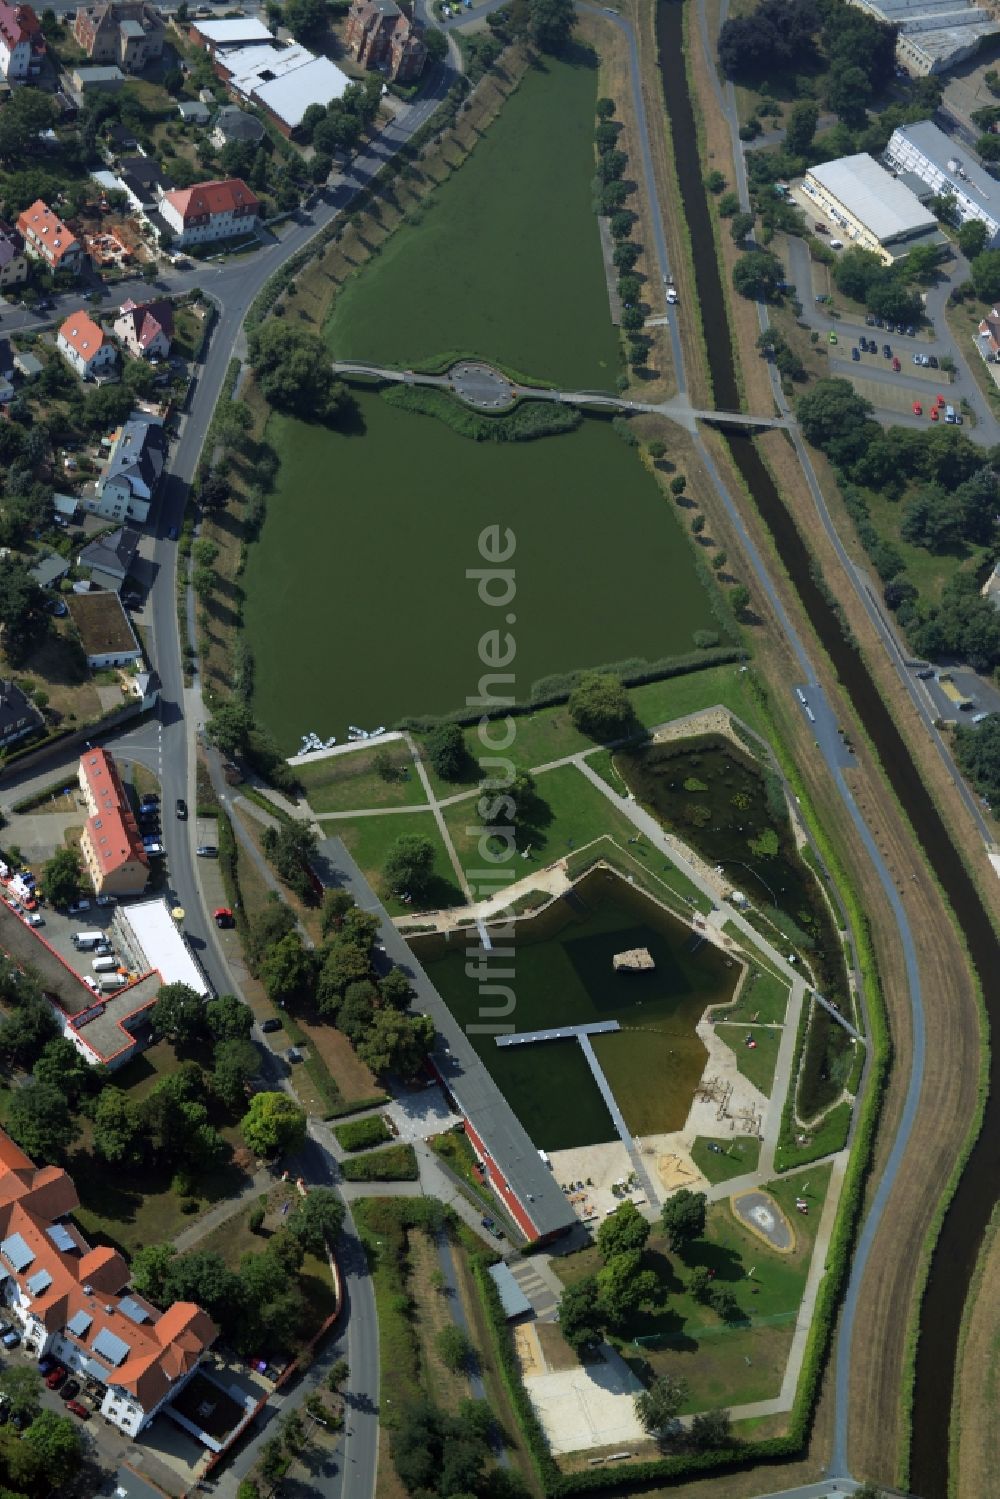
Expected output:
{"points": [[87, 941], [110, 981], [949, 415], [105, 965]]}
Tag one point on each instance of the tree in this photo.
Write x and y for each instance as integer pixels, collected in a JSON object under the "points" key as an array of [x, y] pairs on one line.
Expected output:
{"points": [[449, 753], [293, 371], [179, 1014], [758, 274], [273, 1125], [56, 1442], [305, 19], [657, 1407], [21, 1388], [316, 1220], [288, 970], [740, 598], [623, 1285], [236, 1062], [600, 707], [38, 1117], [985, 271], [801, 127], [581, 1318], [63, 1068], [409, 865], [741, 225], [721, 1299], [604, 108], [656, 449], [230, 727], [624, 1229], [711, 1429], [25, 115], [228, 1018], [550, 23], [61, 877], [23, 617], [336, 904], [396, 1043], [454, 1348], [683, 1217], [151, 1268], [437, 45], [119, 1127], [848, 92], [699, 1283]]}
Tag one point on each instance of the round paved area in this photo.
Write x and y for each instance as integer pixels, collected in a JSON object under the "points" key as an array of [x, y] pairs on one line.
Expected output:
{"points": [[759, 1212], [481, 386]]}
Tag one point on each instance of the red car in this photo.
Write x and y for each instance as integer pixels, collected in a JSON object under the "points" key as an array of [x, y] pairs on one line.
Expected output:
{"points": [[224, 917], [918, 410], [55, 1377], [78, 1409], [934, 413], [895, 364]]}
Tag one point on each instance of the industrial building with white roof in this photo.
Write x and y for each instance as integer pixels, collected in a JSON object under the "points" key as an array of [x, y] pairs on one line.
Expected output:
{"points": [[873, 209], [947, 170]]}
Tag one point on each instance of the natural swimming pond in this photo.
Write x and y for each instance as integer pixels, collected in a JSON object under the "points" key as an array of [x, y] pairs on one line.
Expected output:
{"points": [[734, 814], [358, 603], [563, 975]]}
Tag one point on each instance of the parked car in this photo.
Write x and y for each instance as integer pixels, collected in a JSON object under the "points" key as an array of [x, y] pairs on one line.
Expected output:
{"points": [[932, 361], [11, 1338], [106, 900], [46, 1362], [152, 849], [207, 851], [149, 799], [917, 358], [173, 533], [271, 1024], [870, 320], [831, 337], [78, 907], [78, 1409], [935, 413], [224, 918], [856, 355], [895, 363], [70, 1390], [182, 809], [55, 1377], [34, 919], [91, 984], [918, 410], [887, 351]]}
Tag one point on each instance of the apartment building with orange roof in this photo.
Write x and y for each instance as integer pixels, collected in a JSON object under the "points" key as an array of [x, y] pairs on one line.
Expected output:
{"points": [[111, 843], [73, 1301], [47, 238], [210, 211]]}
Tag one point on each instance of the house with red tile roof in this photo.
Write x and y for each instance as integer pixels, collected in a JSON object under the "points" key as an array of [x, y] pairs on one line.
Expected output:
{"points": [[84, 344], [111, 843], [145, 328], [47, 238], [210, 211], [73, 1301], [22, 45]]}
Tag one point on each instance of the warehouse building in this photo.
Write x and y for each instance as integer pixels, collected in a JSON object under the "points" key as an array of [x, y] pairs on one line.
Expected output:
{"points": [[933, 35], [869, 207], [927, 153]]}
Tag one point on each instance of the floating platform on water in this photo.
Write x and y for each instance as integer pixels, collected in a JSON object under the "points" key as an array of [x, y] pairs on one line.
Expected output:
{"points": [[635, 960]]}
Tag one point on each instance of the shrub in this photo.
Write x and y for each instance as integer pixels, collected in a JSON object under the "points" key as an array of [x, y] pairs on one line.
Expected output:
{"points": [[359, 1134], [395, 1163]]}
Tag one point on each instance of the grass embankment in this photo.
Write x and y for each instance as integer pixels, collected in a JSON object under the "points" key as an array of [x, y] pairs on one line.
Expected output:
{"points": [[729, 1158], [394, 1163], [463, 277], [344, 783]]}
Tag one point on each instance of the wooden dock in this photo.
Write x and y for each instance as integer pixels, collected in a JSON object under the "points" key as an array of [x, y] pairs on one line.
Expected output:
{"points": [[635, 960]]}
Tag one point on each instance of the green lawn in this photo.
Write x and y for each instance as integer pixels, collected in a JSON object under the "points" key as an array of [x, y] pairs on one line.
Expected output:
{"points": [[507, 261], [764, 999], [548, 733], [733, 1157], [359, 605], [829, 1137], [369, 839], [756, 1063], [723, 1365], [575, 813], [345, 783]]}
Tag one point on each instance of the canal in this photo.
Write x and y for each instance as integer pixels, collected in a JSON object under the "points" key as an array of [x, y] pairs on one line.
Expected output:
{"points": [[972, 1205]]}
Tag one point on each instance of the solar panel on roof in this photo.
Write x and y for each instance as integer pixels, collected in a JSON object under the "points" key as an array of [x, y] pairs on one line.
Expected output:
{"points": [[78, 1323], [133, 1310], [39, 1282], [16, 1251], [61, 1237], [111, 1347]]}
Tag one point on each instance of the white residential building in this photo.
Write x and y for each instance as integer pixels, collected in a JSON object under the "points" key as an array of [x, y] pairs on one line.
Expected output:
{"points": [[210, 211], [83, 344], [947, 169]]}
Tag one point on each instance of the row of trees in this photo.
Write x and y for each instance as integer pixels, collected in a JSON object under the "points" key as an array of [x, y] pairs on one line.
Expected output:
{"points": [[611, 192], [887, 291]]}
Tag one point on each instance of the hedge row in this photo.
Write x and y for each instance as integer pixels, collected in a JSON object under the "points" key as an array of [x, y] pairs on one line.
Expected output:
{"points": [[394, 1163], [360, 1133], [548, 692], [526, 421]]}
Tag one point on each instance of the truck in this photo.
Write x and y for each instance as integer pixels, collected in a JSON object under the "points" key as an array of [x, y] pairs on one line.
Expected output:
{"points": [[106, 964], [947, 684], [111, 981], [87, 941]]}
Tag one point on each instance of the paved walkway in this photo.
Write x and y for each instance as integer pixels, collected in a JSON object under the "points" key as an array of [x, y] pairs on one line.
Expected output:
{"points": [[261, 1182]]}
